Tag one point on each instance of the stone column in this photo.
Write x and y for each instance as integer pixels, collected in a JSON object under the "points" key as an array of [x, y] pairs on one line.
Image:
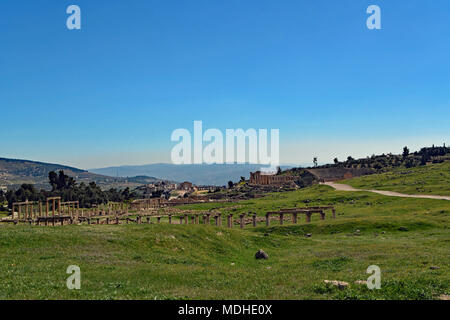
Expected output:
{"points": [[159, 219], [181, 219], [267, 219], [308, 216], [241, 217], [197, 219], [334, 212], [220, 219], [46, 209], [322, 215], [186, 218], [216, 220], [192, 220], [208, 217], [231, 220], [170, 219], [281, 219], [294, 217], [25, 214], [254, 219]]}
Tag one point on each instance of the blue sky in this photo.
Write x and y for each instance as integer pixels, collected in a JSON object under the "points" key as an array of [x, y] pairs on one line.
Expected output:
{"points": [[113, 92]]}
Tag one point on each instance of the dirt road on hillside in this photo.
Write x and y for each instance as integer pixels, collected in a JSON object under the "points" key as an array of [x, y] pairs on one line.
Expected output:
{"points": [[345, 187]]}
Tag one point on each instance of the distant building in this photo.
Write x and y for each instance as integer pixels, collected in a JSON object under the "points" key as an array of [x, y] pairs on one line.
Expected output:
{"points": [[205, 188], [261, 178], [186, 186], [334, 174]]}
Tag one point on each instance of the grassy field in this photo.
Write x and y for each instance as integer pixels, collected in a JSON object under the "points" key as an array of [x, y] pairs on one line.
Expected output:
{"points": [[430, 179], [404, 237]]}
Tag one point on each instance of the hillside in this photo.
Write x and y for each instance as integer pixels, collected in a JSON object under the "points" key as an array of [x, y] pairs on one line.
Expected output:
{"points": [[350, 168], [404, 237], [431, 179], [14, 172]]}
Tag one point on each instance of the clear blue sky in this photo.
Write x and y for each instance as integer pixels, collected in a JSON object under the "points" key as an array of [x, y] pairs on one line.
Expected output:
{"points": [[113, 92]]}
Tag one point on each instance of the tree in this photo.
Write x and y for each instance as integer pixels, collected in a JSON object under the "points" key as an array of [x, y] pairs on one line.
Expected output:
{"points": [[425, 158], [278, 170], [60, 181], [315, 161], [336, 161], [53, 180], [350, 159], [405, 152], [230, 184]]}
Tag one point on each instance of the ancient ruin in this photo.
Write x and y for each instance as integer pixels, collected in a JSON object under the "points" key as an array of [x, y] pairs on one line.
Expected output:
{"points": [[60, 213], [261, 178]]}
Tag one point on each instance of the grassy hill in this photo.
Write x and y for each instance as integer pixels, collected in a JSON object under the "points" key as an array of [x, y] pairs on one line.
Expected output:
{"points": [[340, 170], [15, 172], [429, 179], [404, 237]]}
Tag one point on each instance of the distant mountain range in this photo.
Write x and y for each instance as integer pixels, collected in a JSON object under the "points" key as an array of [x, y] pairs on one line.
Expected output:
{"points": [[14, 172], [199, 174]]}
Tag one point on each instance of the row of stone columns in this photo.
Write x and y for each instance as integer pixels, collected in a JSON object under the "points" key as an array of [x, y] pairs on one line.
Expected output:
{"points": [[55, 208], [29, 212], [308, 213], [73, 208]]}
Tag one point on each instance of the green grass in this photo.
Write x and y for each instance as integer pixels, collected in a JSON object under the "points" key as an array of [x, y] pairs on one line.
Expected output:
{"points": [[432, 179], [204, 262]]}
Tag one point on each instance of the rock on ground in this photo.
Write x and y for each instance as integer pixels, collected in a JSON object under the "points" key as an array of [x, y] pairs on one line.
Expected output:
{"points": [[340, 284], [261, 255]]}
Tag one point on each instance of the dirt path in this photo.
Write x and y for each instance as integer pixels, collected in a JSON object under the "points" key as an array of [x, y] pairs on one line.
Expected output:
{"points": [[345, 187]]}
